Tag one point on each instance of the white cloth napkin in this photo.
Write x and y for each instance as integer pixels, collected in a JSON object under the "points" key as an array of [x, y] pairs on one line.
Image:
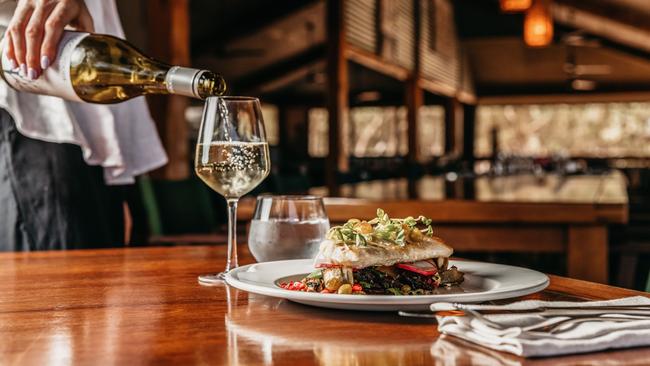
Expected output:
{"points": [[583, 337]]}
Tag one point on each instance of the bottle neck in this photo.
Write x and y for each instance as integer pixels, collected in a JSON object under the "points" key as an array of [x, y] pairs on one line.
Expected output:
{"points": [[193, 82], [183, 81]]}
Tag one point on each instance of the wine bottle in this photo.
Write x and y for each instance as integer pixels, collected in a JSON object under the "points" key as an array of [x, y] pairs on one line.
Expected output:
{"points": [[99, 68]]}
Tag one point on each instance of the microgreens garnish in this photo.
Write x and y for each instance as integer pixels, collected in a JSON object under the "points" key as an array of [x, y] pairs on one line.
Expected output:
{"points": [[382, 227]]}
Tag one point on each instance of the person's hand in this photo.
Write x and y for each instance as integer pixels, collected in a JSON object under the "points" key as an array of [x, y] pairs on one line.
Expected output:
{"points": [[35, 30]]}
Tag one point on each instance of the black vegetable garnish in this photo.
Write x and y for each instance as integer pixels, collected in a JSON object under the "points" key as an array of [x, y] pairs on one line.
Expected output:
{"points": [[379, 282]]}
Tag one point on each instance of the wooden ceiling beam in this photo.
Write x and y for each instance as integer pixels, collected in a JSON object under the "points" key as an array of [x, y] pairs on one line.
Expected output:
{"points": [[268, 74], [613, 23], [376, 63], [566, 98], [258, 19]]}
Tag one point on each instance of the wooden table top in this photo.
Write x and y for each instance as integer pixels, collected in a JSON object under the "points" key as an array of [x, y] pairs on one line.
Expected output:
{"points": [[144, 306], [609, 188]]}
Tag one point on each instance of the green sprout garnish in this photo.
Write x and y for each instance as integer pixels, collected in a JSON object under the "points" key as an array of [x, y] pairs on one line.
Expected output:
{"points": [[382, 227]]}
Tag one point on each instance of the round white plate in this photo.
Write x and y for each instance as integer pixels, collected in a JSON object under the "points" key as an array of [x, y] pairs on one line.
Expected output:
{"points": [[483, 282]]}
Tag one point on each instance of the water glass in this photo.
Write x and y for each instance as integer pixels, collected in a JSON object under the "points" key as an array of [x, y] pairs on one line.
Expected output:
{"points": [[287, 227]]}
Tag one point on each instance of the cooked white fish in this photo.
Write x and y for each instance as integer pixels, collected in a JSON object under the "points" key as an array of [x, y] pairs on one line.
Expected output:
{"points": [[381, 254]]}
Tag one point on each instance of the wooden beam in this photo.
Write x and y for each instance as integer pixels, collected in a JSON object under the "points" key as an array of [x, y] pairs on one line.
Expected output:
{"points": [[301, 63], [619, 25], [586, 251], [256, 19], [168, 26], [642, 96], [453, 127], [414, 101], [437, 88], [376, 63], [414, 92], [465, 211], [289, 78], [337, 95], [469, 134]]}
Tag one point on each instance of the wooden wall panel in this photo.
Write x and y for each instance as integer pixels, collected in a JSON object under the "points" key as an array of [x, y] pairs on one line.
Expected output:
{"points": [[168, 25], [397, 32], [360, 18], [440, 47]]}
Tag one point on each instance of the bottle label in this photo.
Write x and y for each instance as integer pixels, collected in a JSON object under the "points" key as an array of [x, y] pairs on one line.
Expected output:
{"points": [[55, 80]]}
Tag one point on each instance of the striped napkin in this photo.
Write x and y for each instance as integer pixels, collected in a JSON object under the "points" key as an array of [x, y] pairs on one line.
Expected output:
{"points": [[581, 337]]}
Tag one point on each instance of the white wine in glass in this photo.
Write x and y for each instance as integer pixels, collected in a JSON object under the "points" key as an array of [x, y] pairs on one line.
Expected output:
{"points": [[232, 158]]}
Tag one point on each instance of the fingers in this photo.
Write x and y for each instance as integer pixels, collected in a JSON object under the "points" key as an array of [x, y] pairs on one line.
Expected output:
{"points": [[9, 51], [85, 20], [33, 39], [54, 26], [16, 32], [35, 32]]}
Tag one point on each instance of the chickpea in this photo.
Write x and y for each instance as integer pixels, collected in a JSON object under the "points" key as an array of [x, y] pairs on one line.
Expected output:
{"points": [[405, 289], [345, 289], [364, 228], [333, 284], [416, 235]]}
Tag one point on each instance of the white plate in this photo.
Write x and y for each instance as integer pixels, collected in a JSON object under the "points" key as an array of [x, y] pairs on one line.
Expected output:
{"points": [[483, 282]]}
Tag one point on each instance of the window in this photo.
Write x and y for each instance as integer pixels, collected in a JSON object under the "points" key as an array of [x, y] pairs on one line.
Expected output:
{"points": [[318, 145], [431, 131], [271, 123], [380, 132], [591, 130]]}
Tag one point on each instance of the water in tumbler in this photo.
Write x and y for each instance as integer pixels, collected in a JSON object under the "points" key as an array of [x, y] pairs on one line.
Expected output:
{"points": [[277, 239]]}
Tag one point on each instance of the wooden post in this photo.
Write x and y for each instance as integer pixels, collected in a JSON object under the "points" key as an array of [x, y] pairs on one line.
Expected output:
{"points": [[469, 134], [587, 253], [414, 100], [453, 127], [337, 96], [469, 121], [169, 40]]}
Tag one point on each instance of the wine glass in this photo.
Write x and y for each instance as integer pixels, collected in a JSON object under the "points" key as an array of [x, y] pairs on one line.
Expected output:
{"points": [[232, 158]]}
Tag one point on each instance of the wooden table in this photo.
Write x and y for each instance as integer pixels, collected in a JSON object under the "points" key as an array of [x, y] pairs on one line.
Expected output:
{"points": [[144, 306], [524, 213]]}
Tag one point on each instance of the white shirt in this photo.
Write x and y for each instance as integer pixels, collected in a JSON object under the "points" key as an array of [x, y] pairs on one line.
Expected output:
{"points": [[122, 138]]}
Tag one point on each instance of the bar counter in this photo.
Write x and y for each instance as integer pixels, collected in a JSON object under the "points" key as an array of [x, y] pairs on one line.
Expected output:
{"points": [[144, 306]]}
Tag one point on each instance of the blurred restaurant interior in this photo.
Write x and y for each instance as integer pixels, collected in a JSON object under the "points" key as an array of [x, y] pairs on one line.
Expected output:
{"points": [[524, 135]]}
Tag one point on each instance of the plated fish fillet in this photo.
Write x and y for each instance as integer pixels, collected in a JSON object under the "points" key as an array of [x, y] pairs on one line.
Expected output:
{"points": [[385, 253], [381, 256]]}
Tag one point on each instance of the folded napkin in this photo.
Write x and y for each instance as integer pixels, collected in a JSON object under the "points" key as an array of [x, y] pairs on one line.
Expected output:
{"points": [[508, 334]]}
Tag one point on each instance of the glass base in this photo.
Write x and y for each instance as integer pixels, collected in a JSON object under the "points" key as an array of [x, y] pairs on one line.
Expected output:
{"points": [[212, 279]]}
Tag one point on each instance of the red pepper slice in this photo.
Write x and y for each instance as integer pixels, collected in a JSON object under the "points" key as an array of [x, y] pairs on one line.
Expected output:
{"points": [[426, 268], [327, 265]]}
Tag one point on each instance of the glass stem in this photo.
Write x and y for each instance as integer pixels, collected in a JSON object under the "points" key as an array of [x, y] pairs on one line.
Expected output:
{"points": [[232, 234]]}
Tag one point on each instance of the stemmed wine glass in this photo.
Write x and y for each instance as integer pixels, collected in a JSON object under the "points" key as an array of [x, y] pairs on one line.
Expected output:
{"points": [[232, 158]]}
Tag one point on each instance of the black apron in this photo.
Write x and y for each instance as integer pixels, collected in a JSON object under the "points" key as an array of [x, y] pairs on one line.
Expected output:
{"points": [[51, 199]]}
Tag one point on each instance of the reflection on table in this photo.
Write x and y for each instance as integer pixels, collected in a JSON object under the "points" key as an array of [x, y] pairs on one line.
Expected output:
{"points": [[254, 338]]}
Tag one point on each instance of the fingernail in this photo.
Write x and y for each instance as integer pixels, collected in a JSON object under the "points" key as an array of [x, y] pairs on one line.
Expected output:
{"points": [[45, 62], [23, 70], [12, 64], [32, 74]]}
